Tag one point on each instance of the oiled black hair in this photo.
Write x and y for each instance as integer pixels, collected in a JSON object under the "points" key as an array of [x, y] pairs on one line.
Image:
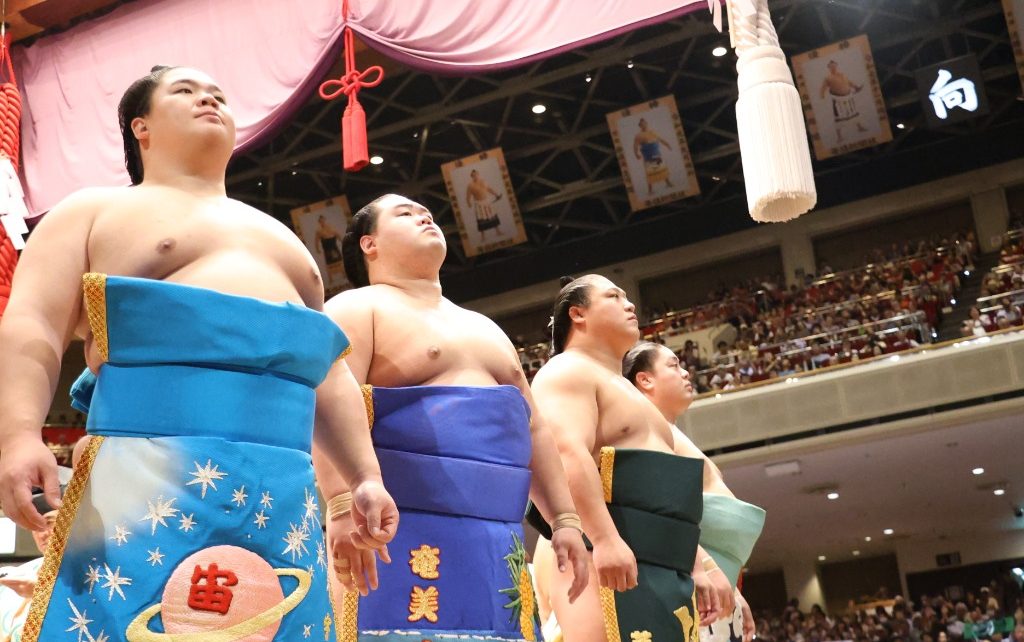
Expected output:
{"points": [[134, 104]]}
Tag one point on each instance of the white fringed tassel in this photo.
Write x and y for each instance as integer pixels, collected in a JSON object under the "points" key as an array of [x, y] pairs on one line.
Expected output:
{"points": [[12, 204], [769, 117]]}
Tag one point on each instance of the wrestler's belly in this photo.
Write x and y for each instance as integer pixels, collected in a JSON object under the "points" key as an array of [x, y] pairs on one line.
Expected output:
{"points": [[639, 441], [237, 272]]}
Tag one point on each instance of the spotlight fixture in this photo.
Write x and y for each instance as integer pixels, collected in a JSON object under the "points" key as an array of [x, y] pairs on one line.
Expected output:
{"points": [[867, 539], [833, 495], [952, 301], [629, 64], [887, 531], [856, 553], [999, 492], [821, 558], [719, 51], [376, 160], [978, 471], [900, 126], [294, 173], [588, 78], [539, 109]]}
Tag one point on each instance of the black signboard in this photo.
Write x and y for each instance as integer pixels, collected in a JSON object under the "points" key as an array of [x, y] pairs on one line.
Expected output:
{"points": [[952, 91]]}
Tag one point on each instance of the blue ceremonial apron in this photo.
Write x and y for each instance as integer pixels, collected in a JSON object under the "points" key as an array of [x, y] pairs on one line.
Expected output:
{"points": [[193, 514], [456, 460]]}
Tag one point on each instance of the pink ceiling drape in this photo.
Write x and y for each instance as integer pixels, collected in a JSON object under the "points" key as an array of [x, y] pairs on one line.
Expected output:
{"points": [[268, 55]]}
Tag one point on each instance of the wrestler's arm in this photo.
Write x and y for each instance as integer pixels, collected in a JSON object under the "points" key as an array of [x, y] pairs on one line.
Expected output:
{"points": [[38, 325], [355, 317], [549, 489], [636, 145], [568, 403]]}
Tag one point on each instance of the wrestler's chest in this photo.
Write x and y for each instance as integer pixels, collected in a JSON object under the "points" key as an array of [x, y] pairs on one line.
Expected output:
{"points": [[422, 350]]}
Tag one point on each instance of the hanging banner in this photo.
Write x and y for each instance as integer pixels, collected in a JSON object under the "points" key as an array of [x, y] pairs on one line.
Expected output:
{"points": [[1014, 10], [483, 202], [321, 226], [653, 155], [842, 98]]}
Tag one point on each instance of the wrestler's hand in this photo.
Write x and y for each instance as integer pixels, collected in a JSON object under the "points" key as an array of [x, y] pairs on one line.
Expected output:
{"points": [[724, 590], [615, 564], [708, 606], [570, 549], [374, 517], [20, 585], [356, 568], [25, 461], [749, 626]]}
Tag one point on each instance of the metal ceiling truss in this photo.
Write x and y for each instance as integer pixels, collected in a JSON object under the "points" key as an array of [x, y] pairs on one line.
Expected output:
{"points": [[563, 167]]}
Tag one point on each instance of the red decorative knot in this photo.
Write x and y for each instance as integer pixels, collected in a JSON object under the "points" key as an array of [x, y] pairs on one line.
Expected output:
{"points": [[8, 259], [355, 152], [10, 109]]}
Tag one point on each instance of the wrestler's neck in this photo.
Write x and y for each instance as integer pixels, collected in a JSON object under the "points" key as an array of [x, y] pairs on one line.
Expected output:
{"points": [[422, 285], [204, 179], [598, 349]]}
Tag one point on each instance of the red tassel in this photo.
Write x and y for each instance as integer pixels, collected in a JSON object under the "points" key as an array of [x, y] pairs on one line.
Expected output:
{"points": [[355, 150]]}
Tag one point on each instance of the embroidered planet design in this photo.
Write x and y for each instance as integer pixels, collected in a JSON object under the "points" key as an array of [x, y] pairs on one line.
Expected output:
{"points": [[221, 594]]}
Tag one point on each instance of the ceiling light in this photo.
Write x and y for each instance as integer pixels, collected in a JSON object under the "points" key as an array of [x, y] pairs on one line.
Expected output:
{"points": [[856, 553], [833, 495], [887, 531], [978, 471], [294, 173], [588, 78], [719, 51], [967, 272], [821, 558], [539, 108], [952, 301], [999, 492], [376, 160], [867, 539], [783, 468], [716, 178], [259, 184], [629, 64], [900, 126]]}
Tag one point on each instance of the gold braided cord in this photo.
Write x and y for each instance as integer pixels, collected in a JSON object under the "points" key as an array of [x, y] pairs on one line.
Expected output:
{"points": [[607, 469], [58, 542], [94, 291], [344, 353], [348, 627], [368, 402], [611, 618]]}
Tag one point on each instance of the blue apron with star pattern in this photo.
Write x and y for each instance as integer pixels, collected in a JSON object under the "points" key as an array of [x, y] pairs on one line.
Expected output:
{"points": [[193, 514]]}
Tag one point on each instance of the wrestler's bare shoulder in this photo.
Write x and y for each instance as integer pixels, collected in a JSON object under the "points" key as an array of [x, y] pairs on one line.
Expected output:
{"points": [[569, 370]]}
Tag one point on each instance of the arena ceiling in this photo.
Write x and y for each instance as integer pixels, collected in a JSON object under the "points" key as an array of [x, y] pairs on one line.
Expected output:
{"points": [[562, 164]]}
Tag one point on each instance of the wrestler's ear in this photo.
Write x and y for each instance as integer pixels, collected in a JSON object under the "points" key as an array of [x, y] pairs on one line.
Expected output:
{"points": [[140, 129], [368, 244], [577, 314], [645, 381]]}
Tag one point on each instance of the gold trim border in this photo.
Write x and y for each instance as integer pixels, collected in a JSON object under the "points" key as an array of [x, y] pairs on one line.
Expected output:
{"points": [[607, 467], [94, 292], [611, 617], [347, 623], [368, 402], [59, 541]]}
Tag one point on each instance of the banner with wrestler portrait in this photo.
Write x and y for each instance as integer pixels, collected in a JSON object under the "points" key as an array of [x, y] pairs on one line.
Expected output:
{"points": [[653, 154], [321, 226], [1014, 10], [842, 98], [483, 202]]}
